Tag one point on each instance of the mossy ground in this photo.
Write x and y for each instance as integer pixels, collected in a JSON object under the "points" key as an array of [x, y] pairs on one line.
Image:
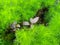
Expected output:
{"points": [[23, 10]]}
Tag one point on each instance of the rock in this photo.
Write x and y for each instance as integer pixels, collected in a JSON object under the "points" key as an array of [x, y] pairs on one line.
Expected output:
{"points": [[18, 26], [34, 20], [13, 25], [26, 23]]}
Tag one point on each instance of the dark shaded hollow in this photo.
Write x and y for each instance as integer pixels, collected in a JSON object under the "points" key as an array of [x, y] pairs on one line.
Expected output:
{"points": [[9, 32], [41, 14]]}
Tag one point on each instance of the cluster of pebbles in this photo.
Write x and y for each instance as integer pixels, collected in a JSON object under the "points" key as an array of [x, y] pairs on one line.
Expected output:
{"points": [[16, 26], [38, 18]]}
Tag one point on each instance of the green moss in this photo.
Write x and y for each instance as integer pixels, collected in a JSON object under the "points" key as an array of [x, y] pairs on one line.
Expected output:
{"points": [[21, 10]]}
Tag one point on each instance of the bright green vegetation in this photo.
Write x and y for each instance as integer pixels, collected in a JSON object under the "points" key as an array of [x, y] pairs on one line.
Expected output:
{"points": [[23, 10]]}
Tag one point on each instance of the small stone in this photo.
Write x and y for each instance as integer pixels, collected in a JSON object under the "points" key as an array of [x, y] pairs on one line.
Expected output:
{"points": [[13, 25], [26, 23], [34, 20], [18, 26]]}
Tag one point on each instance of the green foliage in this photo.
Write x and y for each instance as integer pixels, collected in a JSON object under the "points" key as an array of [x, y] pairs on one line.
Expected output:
{"points": [[23, 10], [41, 35], [36, 36]]}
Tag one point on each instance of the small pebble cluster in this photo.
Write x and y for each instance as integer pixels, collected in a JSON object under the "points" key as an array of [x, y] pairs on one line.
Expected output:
{"points": [[38, 18], [16, 26]]}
